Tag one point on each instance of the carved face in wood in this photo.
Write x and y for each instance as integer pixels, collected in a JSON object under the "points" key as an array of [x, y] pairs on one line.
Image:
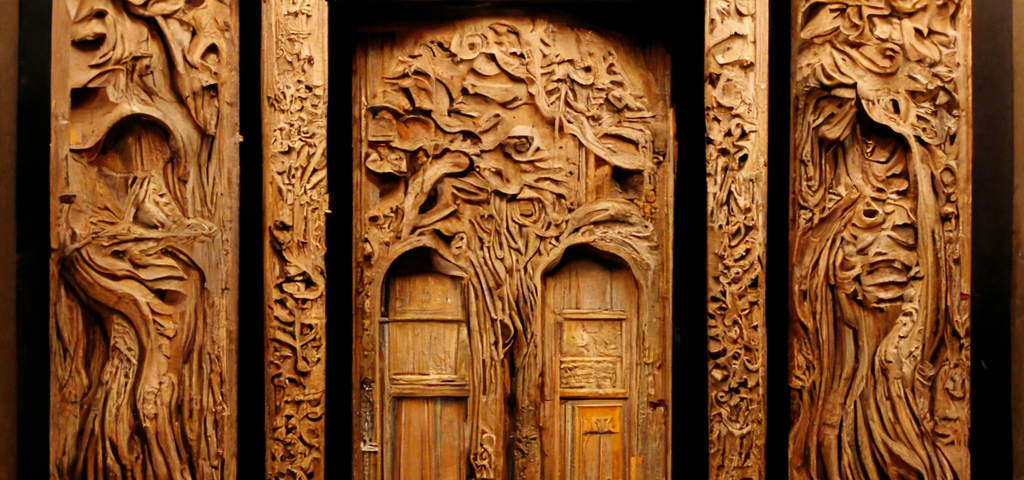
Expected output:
{"points": [[881, 320]]}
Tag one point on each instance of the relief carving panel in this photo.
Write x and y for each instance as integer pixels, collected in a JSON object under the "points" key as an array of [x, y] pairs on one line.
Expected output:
{"points": [[143, 268], [880, 240], [295, 205], [486, 149], [736, 119]]}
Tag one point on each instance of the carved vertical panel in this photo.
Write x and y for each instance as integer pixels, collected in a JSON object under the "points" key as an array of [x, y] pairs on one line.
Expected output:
{"points": [[144, 203], [736, 113], [295, 204], [880, 239], [485, 149]]}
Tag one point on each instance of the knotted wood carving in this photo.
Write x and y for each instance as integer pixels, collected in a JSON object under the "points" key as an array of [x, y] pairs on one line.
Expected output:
{"points": [[736, 112], [295, 205], [880, 239], [513, 183], [143, 268]]}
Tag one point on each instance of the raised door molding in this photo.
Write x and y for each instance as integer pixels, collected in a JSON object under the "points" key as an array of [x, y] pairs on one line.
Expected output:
{"points": [[143, 209], [513, 230], [295, 204], [736, 113], [880, 243]]}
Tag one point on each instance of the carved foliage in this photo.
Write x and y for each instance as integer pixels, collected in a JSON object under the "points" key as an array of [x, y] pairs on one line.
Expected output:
{"points": [[736, 120], [496, 144], [295, 195], [142, 269], [880, 349]]}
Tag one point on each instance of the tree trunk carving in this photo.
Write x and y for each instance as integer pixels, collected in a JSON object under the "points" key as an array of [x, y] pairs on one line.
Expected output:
{"points": [[490, 152], [880, 240], [295, 205], [143, 269], [736, 110]]}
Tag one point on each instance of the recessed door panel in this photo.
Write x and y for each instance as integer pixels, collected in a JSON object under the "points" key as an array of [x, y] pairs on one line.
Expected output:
{"points": [[595, 449], [426, 353], [430, 439], [591, 305]]}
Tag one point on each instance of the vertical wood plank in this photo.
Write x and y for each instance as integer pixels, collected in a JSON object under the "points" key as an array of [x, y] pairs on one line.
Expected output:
{"points": [[880, 242], [736, 112], [294, 79], [144, 262]]}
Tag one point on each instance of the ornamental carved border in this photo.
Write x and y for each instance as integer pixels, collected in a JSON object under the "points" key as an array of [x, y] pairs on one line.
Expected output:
{"points": [[880, 222], [295, 206], [736, 112], [143, 265], [497, 145]]}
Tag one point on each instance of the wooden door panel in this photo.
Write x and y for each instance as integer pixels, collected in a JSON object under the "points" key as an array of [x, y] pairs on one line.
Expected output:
{"points": [[591, 302], [594, 440], [513, 195], [425, 296], [426, 356], [430, 439], [591, 361], [421, 350]]}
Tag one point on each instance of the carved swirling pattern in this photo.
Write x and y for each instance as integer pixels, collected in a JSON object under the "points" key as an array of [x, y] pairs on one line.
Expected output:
{"points": [[138, 340], [736, 121], [477, 147], [295, 143], [880, 348]]}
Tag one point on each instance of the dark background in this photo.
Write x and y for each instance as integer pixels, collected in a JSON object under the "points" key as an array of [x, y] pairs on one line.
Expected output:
{"points": [[679, 29]]}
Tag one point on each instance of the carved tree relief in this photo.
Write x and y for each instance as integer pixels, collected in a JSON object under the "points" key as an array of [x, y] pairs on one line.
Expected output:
{"points": [[295, 205], [143, 268], [513, 197], [880, 240], [736, 111]]}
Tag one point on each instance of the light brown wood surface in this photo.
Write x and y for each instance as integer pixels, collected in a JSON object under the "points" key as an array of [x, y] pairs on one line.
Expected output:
{"points": [[294, 79], [736, 111], [880, 240], [512, 233], [143, 271]]}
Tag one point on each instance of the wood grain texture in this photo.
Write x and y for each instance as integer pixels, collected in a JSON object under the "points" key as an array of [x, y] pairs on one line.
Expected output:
{"points": [[295, 200], [492, 154], [143, 271], [880, 240], [736, 112]]}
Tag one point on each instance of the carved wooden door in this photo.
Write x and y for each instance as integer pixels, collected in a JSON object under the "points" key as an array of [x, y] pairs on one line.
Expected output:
{"points": [[513, 194], [590, 310]]}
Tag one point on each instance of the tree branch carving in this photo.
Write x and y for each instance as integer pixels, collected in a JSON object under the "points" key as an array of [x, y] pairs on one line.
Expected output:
{"points": [[143, 269], [296, 202], [496, 144]]}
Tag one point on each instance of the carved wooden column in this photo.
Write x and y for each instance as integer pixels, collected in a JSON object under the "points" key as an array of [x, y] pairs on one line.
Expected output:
{"points": [[880, 239], [143, 271], [736, 111], [295, 203], [513, 206]]}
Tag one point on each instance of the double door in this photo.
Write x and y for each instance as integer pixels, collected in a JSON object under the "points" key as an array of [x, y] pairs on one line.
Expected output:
{"points": [[513, 182]]}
